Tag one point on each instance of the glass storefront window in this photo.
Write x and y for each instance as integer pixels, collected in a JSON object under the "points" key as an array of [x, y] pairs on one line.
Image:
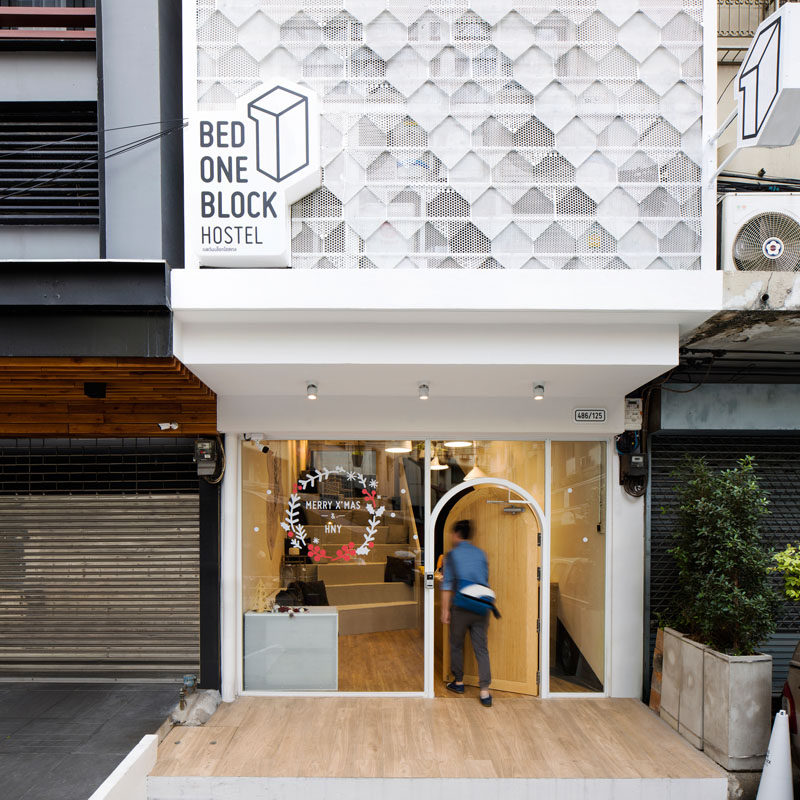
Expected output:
{"points": [[332, 536], [454, 461], [577, 566]]}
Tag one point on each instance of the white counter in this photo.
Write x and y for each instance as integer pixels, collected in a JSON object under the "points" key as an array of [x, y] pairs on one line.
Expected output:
{"points": [[292, 653]]}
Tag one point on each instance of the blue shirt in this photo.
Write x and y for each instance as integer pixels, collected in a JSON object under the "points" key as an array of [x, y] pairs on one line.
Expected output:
{"points": [[469, 563]]}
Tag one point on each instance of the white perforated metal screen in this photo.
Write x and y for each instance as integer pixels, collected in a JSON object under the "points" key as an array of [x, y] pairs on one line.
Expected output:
{"points": [[484, 135]]}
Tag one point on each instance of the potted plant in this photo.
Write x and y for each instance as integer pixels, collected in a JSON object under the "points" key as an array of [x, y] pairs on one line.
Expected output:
{"points": [[725, 606]]}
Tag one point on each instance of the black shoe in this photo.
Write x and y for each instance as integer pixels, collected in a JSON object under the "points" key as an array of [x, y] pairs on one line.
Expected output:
{"points": [[458, 688], [486, 701]]}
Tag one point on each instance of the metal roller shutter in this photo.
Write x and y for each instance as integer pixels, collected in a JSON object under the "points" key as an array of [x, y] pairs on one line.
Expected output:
{"points": [[99, 585], [777, 457]]}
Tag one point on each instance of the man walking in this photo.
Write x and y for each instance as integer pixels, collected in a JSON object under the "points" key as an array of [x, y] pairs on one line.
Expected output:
{"points": [[464, 565]]}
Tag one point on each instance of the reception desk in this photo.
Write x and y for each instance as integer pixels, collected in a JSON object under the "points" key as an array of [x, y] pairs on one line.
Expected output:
{"points": [[296, 653]]}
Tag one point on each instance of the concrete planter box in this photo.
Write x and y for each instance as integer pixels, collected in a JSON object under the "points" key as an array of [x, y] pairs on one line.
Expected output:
{"points": [[690, 717], [736, 709], [671, 677]]}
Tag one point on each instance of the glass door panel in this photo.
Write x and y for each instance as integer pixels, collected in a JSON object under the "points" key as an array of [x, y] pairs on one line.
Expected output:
{"points": [[577, 566]]}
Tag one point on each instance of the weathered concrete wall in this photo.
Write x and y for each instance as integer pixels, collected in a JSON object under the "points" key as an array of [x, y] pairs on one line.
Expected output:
{"points": [[742, 406], [761, 291]]}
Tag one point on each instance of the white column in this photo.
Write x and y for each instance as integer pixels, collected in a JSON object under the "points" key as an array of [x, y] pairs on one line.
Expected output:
{"points": [[229, 569], [627, 589], [429, 611]]}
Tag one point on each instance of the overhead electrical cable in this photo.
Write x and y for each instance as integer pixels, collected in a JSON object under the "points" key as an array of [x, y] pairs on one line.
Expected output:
{"points": [[8, 154], [54, 176]]}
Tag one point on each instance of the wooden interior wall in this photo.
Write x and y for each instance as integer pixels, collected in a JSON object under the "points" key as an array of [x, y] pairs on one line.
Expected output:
{"points": [[45, 397], [510, 544]]}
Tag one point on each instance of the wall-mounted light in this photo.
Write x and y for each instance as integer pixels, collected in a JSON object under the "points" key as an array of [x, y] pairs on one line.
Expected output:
{"points": [[457, 443], [538, 391], [168, 426], [399, 447], [424, 391], [311, 391]]}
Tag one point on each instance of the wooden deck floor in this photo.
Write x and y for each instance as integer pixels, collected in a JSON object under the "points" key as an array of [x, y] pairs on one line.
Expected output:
{"points": [[340, 737]]}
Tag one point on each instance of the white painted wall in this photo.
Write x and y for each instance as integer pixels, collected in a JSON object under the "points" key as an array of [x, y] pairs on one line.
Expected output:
{"points": [[657, 297], [389, 418], [58, 76]]}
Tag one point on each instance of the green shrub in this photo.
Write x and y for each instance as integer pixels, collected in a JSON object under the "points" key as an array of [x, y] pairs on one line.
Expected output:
{"points": [[724, 595], [788, 562]]}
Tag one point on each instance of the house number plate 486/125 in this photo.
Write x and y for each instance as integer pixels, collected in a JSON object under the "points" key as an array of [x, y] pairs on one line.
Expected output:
{"points": [[590, 415]]}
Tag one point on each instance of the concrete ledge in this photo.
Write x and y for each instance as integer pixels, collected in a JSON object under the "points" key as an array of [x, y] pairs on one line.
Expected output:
{"points": [[129, 780], [440, 788]]}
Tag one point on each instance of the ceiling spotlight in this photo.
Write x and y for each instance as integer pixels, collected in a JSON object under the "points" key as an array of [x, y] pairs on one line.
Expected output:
{"points": [[168, 426], [538, 391], [424, 391], [311, 391], [457, 443], [399, 447]]}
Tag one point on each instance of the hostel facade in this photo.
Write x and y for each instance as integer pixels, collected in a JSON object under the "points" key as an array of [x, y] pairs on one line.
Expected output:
{"points": [[430, 248]]}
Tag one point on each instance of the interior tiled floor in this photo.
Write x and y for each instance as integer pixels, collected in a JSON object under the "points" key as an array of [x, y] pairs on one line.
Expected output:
{"points": [[60, 741]]}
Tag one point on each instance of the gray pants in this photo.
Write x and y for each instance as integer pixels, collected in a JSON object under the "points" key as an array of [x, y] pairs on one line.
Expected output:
{"points": [[462, 621]]}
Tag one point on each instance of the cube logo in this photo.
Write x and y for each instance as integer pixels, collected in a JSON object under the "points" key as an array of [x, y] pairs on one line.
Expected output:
{"points": [[244, 167], [281, 118]]}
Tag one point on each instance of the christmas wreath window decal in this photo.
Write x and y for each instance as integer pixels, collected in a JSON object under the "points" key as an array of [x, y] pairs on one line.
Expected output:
{"points": [[296, 531]]}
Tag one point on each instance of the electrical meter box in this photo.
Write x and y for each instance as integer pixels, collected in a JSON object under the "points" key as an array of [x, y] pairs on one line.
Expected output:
{"points": [[633, 414], [205, 456]]}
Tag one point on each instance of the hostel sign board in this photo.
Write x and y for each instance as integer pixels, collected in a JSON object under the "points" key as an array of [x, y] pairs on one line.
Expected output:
{"points": [[244, 168]]}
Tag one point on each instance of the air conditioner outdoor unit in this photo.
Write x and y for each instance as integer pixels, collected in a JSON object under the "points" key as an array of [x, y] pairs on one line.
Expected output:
{"points": [[761, 231]]}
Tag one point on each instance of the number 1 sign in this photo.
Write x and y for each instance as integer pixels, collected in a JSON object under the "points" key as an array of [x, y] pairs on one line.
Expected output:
{"points": [[768, 83]]}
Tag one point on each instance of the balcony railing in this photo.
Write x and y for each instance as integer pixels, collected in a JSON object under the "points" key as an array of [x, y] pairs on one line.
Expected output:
{"points": [[42, 21], [737, 22]]}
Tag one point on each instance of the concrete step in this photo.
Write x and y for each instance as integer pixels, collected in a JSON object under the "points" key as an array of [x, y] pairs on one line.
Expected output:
{"points": [[359, 593], [383, 549], [337, 574], [376, 617]]}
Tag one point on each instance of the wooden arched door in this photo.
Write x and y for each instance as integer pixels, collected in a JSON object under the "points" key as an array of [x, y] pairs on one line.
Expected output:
{"points": [[510, 541]]}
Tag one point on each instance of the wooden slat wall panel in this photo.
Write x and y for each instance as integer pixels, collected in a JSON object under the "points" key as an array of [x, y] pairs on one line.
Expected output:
{"points": [[105, 585], [45, 397]]}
